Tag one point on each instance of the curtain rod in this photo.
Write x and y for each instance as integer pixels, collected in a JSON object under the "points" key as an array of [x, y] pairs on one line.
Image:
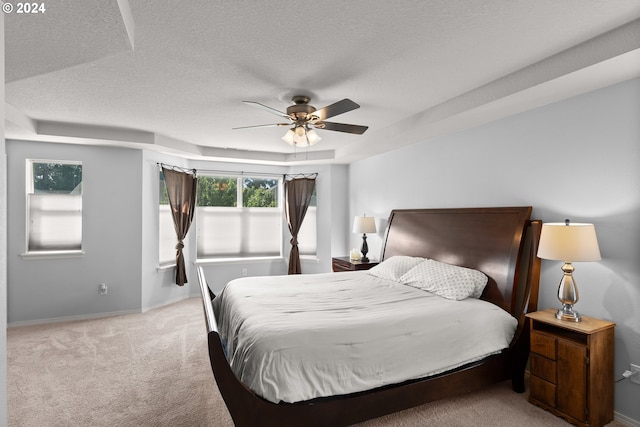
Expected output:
{"points": [[301, 175], [306, 175], [222, 172], [176, 168], [239, 172]]}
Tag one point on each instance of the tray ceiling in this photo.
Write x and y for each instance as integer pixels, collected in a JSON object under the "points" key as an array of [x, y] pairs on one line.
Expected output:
{"points": [[171, 75]]}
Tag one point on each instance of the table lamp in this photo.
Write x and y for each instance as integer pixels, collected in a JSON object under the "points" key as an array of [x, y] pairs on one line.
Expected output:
{"points": [[568, 242], [364, 224]]}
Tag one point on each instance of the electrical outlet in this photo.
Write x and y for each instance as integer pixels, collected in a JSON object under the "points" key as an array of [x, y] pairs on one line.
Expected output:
{"points": [[103, 289], [243, 272], [635, 377]]}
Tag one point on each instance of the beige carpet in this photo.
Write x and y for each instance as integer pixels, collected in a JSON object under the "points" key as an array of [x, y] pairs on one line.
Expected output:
{"points": [[153, 369]]}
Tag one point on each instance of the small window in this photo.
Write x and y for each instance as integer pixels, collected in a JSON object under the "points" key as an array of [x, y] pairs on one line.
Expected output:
{"points": [[54, 206], [166, 230], [308, 233]]}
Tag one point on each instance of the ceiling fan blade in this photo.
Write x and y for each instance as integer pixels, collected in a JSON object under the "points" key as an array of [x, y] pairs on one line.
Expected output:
{"points": [[266, 108], [341, 127], [263, 126], [334, 109]]}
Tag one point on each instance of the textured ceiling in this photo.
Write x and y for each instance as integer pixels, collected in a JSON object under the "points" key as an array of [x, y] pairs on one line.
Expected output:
{"points": [[171, 75]]}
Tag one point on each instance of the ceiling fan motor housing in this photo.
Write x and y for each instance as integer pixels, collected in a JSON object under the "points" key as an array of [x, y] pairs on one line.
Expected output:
{"points": [[301, 110]]}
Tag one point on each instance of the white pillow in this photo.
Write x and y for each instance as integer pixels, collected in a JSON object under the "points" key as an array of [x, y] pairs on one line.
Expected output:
{"points": [[394, 267], [446, 280]]}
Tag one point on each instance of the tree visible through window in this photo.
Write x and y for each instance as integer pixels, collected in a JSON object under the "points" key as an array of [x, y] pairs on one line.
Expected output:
{"points": [[217, 191], [223, 192], [260, 193], [56, 178]]}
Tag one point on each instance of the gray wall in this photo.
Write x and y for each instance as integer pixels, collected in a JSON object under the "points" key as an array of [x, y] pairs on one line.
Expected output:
{"points": [[574, 159], [111, 235]]}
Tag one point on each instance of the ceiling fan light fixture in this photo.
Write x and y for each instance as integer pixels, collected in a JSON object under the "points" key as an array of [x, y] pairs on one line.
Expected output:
{"points": [[313, 137], [301, 137], [289, 137]]}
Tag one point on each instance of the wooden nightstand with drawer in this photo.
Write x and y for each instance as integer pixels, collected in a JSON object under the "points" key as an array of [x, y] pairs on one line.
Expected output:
{"points": [[345, 264], [571, 365]]}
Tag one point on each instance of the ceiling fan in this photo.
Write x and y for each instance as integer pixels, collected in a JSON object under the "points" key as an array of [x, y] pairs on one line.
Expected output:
{"points": [[304, 118]]}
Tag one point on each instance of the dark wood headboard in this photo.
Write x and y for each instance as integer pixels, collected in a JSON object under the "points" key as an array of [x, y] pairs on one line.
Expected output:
{"points": [[491, 240]]}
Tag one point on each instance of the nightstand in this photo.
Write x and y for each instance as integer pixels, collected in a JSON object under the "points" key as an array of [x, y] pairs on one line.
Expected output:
{"points": [[571, 368], [345, 264]]}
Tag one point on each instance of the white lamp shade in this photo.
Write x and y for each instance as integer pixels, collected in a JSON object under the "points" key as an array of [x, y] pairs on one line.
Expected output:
{"points": [[313, 137], [569, 243], [364, 224], [289, 136]]}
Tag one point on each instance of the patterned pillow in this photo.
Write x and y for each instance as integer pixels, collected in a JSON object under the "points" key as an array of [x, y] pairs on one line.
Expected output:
{"points": [[446, 280], [393, 268]]}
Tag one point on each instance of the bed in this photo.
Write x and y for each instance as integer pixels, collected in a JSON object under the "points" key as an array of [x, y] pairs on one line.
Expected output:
{"points": [[499, 242]]}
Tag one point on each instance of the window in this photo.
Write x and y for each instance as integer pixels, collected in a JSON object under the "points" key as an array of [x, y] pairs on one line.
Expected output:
{"points": [[308, 235], [166, 230], [239, 216], [54, 206]]}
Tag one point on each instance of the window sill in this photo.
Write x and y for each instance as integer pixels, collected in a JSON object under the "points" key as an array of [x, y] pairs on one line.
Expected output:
{"points": [[52, 255], [212, 261], [165, 267]]}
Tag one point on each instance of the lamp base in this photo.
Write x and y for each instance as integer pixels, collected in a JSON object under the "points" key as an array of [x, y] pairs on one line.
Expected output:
{"points": [[567, 313], [364, 249], [568, 295]]}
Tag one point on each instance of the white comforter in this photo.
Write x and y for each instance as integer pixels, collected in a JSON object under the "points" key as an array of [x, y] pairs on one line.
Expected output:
{"points": [[294, 338]]}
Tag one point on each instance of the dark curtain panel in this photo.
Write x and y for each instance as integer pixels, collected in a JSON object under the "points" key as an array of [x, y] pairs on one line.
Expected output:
{"points": [[297, 192], [181, 189]]}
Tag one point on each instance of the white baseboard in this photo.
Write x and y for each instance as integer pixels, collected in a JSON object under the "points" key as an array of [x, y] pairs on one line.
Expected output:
{"points": [[630, 422], [95, 315], [166, 303], [71, 318]]}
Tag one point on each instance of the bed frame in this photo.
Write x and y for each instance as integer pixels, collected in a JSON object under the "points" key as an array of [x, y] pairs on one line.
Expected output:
{"points": [[501, 242]]}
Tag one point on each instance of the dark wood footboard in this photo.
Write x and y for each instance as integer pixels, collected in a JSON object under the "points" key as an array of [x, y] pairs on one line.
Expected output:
{"points": [[248, 409]]}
